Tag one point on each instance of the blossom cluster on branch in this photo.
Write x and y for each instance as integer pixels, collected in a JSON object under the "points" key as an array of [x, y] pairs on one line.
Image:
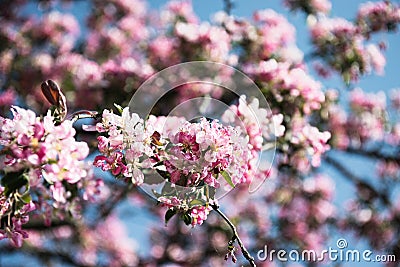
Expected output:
{"points": [[202, 156], [44, 170]]}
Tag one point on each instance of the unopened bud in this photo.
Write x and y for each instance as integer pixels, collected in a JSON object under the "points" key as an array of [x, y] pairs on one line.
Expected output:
{"points": [[226, 256], [234, 260]]}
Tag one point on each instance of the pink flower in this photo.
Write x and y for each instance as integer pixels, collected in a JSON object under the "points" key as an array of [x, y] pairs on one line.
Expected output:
{"points": [[337, 28], [40, 142], [310, 6], [395, 98], [182, 9], [199, 214], [58, 192], [13, 229], [8, 97], [323, 6], [378, 61], [377, 16], [275, 31], [125, 133], [162, 48], [170, 202], [305, 136], [361, 101]]}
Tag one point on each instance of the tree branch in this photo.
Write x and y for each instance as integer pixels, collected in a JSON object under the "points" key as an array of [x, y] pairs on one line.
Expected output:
{"points": [[376, 154], [107, 207], [39, 225], [395, 249], [42, 253], [356, 180], [228, 6], [235, 236]]}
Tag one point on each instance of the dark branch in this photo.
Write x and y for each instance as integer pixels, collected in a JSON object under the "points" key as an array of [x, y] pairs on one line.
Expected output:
{"points": [[42, 253], [110, 205], [235, 236], [395, 249], [228, 6], [357, 181], [39, 225], [375, 154]]}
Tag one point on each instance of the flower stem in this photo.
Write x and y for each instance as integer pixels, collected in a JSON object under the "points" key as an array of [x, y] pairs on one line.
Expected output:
{"points": [[235, 236]]}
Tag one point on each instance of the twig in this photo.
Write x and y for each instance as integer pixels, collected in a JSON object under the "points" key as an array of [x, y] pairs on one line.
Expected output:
{"points": [[235, 236], [228, 5]]}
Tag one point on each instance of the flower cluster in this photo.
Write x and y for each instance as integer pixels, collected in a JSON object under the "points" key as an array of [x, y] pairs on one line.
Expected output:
{"points": [[366, 121], [259, 124], [39, 160], [126, 143], [202, 151], [368, 118], [309, 6], [378, 16], [12, 221], [288, 84], [213, 41], [310, 201], [191, 153], [261, 127], [60, 29], [187, 154], [309, 144], [64, 200], [199, 214], [341, 44], [41, 147], [274, 32]]}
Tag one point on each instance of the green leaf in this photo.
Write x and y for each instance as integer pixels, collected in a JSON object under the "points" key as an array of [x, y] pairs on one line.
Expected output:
{"points": [[13, 181], [197, 202], [26, 198], [346, 78], [9, 177], [119, 108], [227, 178], [187, 219], [169, 146], [168, 190], [169, 214]]}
